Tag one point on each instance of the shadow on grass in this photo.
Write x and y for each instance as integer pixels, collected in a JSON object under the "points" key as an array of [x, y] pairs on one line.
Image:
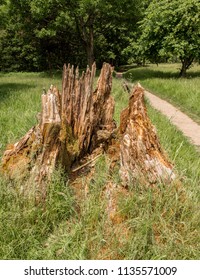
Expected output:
{"points": [[54, 74], [7, 89], [139, 74], [143, 74], [124, 68]]}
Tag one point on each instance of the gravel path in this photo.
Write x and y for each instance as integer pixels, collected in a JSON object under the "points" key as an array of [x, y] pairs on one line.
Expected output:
{"points": [[189, 128]]}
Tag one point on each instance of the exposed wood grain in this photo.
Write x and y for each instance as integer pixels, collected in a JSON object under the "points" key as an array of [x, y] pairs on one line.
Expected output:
{"points": [[142, 157], [76, 122], [69, 127]]}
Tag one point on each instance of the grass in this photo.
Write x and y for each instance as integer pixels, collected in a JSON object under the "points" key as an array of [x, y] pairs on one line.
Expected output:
{"points": [[20, 102], [25, 225], [150, 223], [164, 82]]}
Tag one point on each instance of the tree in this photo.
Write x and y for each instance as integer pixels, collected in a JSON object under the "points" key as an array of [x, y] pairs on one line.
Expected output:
{"points": [[172, 28], [85, 14], [3, 13], [100, 26], [117, 27], [19, 48], [34, 39], [3, 22], [44, 34]]}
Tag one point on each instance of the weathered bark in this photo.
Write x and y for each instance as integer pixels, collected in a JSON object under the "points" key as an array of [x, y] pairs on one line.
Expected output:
{"points": [[79, 120], [71, 125], [141, 155], [35, 156], [87, 112]]}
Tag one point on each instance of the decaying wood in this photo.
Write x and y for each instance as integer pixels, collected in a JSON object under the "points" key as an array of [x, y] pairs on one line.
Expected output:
{"points": [[35, 156], [86, 112], [141, 156], [71, 125], [86, 163], [77, 121], [126, 87]]}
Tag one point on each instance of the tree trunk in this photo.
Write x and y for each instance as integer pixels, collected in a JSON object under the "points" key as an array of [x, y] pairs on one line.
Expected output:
{"points": [[183, 70], [86, 31], [90, 54], [90, 43], [186, 63]]}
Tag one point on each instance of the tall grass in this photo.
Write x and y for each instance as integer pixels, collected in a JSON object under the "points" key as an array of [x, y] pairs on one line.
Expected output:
{"points": [[25, 225], [162, 222], [163, 81]]}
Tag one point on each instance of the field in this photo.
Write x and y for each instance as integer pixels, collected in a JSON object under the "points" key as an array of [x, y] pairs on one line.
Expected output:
{"points": [[151, 223]]}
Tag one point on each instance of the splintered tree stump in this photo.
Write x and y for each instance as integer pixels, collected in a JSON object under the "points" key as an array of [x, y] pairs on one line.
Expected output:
{"points": [[76, 122], [71, 125], [141, 155], [87, 114]]}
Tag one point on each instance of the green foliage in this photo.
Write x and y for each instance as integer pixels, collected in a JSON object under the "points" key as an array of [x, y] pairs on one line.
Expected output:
{"points": [[171, 28], [44, 34], [3, 14], [18, 47], [41, 34]]}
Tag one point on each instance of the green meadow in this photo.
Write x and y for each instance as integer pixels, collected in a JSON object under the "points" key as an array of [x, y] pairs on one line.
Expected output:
{"points": [[156, 223]]}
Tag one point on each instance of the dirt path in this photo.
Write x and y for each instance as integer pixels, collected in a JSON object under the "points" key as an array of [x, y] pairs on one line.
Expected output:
{"points": [[184, 123], [189, 128]]}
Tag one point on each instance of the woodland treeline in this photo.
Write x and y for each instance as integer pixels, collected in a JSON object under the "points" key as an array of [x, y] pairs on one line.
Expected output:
{"points": [[38, 35]]}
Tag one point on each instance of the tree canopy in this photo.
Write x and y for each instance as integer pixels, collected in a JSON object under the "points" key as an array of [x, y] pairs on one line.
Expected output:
{"points": [[41, 34], [171, 28], [44, 34]]}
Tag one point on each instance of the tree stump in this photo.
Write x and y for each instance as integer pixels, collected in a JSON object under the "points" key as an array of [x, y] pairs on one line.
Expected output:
{"points": [[71, 125], [141, 155], [78, 120]]}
